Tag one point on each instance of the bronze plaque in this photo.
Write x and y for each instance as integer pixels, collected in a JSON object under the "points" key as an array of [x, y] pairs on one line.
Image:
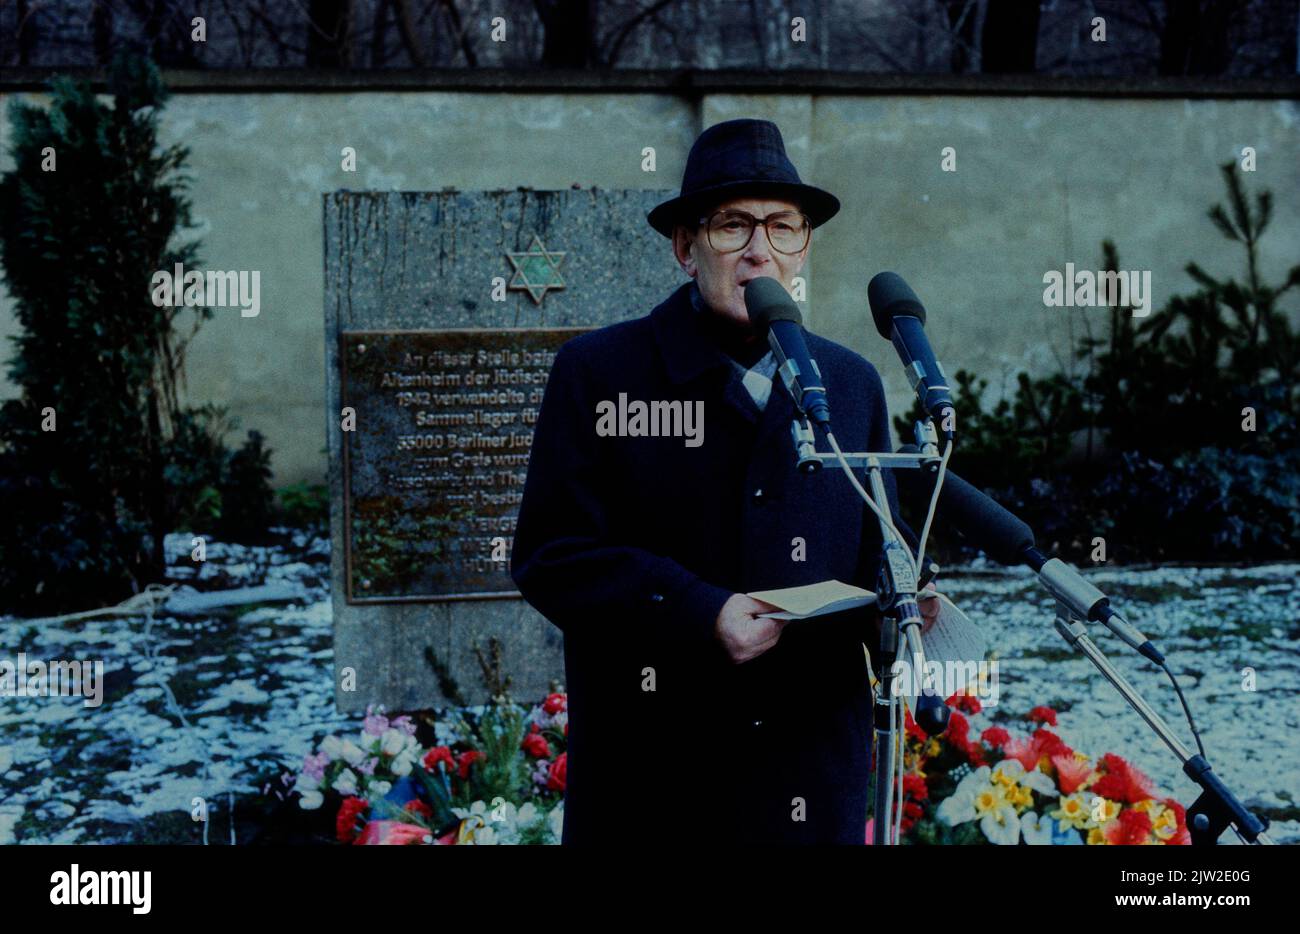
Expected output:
{"points": [[434, 466]]}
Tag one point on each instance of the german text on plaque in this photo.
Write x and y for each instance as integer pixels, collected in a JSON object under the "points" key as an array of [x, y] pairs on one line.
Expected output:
{"points": [[435, 461]]}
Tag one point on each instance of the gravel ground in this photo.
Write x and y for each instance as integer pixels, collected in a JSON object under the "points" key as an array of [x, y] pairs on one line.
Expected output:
{"points": [[253, 693]]}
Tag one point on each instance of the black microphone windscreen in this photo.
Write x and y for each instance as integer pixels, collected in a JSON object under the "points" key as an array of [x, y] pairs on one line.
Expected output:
{"points": [[766, 300], [987, 524], [890, 297]]}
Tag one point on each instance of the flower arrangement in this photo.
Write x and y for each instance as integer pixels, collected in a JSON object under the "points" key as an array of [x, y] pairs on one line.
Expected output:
{"points": [[495, 776], [1005, 789]]}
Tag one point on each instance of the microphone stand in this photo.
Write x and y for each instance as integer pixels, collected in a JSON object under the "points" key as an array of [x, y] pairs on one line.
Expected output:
{"points": [[1217, 807], [896, 597]]}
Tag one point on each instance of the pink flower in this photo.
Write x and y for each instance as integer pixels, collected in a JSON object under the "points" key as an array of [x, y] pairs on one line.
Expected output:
{"points": [[313, 766], [375, 723], [392, 833], [1071, 773], [403, 723]]}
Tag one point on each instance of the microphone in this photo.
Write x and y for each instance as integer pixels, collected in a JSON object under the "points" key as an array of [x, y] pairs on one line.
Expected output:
{"points": [[1006, 539], [900, 319], [773, 313]]}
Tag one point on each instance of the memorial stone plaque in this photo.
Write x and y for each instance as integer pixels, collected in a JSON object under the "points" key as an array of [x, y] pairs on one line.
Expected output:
{"points": [[434, 474], [443, 311]]}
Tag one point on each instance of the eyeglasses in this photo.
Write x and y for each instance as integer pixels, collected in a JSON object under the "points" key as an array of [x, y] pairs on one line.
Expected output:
{"points": [[729, 231]]}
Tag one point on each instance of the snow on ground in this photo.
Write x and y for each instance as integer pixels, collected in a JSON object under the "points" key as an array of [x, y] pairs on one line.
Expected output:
{"points": [[256, 690]]}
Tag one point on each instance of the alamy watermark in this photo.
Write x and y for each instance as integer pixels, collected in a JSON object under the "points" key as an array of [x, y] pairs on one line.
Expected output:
{"points": [[1087, 289], [55, 678], [215, 289], [659, 419], [946, 678]]}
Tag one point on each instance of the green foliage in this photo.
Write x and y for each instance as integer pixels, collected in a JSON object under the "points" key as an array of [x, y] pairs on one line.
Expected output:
{"points": [[305, 505], [84, 450], [502, 771], [1144, 444]]}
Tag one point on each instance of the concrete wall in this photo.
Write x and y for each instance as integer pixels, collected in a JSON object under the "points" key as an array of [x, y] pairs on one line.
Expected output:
{"points": [[1040, 181]]}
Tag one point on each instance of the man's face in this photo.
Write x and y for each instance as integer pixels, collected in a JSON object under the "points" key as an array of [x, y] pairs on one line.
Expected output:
{"points": [[721, 276]]}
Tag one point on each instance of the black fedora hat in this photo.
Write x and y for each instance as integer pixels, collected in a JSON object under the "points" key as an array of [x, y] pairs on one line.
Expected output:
{"points": [[736, 158]]}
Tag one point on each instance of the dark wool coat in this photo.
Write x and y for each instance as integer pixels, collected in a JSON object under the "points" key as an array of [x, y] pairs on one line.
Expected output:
{"points": [[631, 545]]}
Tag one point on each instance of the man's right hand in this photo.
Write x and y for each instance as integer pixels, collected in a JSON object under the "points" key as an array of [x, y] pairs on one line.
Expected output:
{"points": [[743, 634]]}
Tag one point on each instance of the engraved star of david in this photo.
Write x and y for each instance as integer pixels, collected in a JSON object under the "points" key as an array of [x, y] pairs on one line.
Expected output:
{"points": [[536, 271]]}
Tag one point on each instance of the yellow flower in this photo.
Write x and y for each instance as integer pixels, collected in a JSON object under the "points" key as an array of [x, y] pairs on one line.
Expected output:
{"points": [[1073, 811], [989, 799], [1021, 796], [1096, 837], [1109, 810], [1144, 805]]}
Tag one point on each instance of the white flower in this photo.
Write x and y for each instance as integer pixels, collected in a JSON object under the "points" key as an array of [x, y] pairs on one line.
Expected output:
{"points": [[1036, 830], [959, 807], [1001, 824], [556, 821], [332, 746], [379, 789], [477, 809], [351, 752], [527, 814], [393, 741], [976, 798], [346, 783], [1035, 780], [485, 836], [404, 762], [311, 800]]}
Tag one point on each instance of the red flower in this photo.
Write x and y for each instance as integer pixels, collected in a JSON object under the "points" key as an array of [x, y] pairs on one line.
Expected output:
{"points": [[1042, 714], [1049, 744], [912, 728], [1182, 837], [958, 731], [1071, 773], [465, 760], [555, 703], [535, 745], [1132, 828], [975, 755], [912, 809], [963, 701], [995, 736], [555, 779], [345, 825], [1122, 782], [438, 754], [419, 808], [914, 786], [958, 735]]}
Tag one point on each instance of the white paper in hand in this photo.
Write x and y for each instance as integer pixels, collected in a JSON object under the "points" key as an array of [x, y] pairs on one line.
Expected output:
{"points": [[954, 638], [814, 599]]}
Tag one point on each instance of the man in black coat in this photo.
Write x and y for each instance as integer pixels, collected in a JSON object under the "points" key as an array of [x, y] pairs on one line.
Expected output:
{"points": [[691, 716]]}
